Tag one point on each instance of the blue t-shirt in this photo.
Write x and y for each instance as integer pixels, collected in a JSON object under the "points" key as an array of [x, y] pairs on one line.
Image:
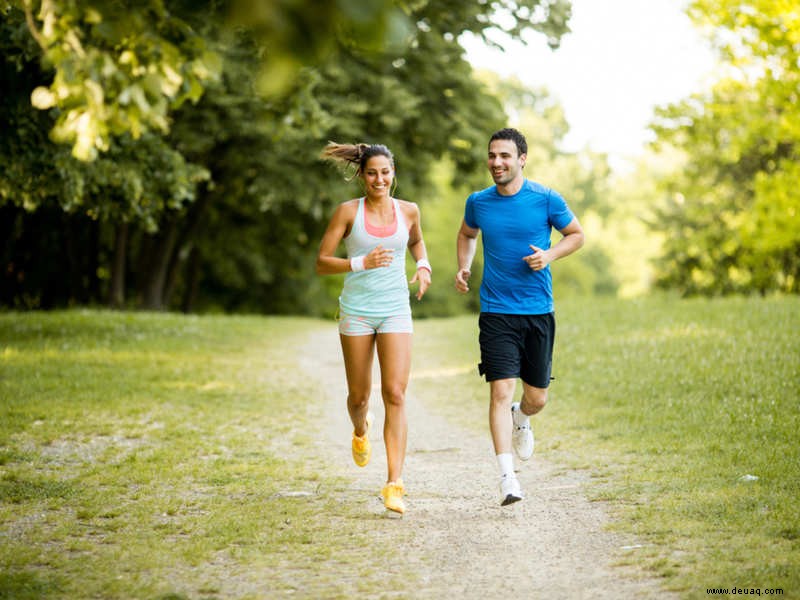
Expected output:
{"points": [[509, 225]]}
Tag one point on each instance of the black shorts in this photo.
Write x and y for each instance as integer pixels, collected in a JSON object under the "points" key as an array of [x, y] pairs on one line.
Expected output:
{"points": [[517, 346]]}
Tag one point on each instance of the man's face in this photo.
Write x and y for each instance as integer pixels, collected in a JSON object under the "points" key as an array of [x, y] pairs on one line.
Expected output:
{"points": [[504, 163]]}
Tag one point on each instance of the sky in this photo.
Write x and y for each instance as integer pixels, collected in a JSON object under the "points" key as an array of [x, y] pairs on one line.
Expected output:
{"points": [[622, 59]]}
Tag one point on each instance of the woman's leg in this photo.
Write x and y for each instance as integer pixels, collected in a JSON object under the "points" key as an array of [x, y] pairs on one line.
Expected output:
{"points": [[358, 351], [394, 356]]}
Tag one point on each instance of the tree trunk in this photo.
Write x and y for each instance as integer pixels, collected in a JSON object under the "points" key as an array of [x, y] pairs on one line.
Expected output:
{"points": [[157, 273], [93, 268], [116, 291], [192, 281], [185, 243], [75, 267]]}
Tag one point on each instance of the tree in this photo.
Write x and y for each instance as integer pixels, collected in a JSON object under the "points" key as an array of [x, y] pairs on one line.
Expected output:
{"points": [[220, 202], [134, 180], [732, 215], [118, 67]]}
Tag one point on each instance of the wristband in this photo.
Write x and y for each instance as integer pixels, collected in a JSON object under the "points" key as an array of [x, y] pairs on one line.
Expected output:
{"points": [[357, 264], [423, 263]]}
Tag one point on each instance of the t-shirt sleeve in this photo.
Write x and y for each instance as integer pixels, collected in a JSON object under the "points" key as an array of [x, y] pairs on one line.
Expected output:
{"points": [[469, 213], [558, 212]]}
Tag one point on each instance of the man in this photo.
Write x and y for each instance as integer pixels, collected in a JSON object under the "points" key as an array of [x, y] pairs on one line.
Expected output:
{"points": [[517, 323]]}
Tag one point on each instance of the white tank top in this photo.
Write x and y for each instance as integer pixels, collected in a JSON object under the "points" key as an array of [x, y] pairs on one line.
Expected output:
{"points": [[380, 292]]}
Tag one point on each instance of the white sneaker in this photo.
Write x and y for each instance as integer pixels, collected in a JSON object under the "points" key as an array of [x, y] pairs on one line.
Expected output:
{"points": [[510, 490], [522, 436]]}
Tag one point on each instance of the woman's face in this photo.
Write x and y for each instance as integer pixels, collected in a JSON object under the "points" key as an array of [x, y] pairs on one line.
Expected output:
{"points": [[378, 175]]}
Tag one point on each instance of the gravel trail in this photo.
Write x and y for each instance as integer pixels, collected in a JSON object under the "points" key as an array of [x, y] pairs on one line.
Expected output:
{"points": [[553, 544]]}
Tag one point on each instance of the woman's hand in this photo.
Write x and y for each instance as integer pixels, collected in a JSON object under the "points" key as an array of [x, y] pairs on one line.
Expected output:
{"points": [[378, 257], [423, 276]]}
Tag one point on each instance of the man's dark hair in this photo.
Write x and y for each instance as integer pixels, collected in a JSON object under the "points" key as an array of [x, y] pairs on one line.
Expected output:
{"points": [[515, 136]]}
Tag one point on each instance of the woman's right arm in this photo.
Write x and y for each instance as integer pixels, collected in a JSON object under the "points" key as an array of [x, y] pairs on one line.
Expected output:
{"points": [[327, 261]]}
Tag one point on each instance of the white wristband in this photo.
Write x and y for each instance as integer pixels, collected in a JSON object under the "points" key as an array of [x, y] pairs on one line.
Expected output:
{"points": [[357, 264], [423, 263]]}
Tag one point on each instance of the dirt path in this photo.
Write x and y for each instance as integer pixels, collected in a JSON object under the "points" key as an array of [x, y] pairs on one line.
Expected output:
{"points": [[464, 544]]}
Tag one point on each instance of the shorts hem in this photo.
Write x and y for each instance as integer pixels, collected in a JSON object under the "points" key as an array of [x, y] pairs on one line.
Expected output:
{"points": [[360, 325]]}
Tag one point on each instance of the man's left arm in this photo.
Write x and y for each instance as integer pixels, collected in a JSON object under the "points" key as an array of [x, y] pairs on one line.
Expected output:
{"points": [[573, 239]]}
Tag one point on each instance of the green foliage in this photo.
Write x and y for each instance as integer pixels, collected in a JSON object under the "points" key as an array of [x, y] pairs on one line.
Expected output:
{"points": [[732, 212], [218, 203], [133, 181], [118, 68]]}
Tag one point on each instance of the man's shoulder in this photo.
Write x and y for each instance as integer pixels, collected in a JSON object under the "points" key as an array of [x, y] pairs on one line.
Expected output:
{"points": [[534, 187], [488, 192]]}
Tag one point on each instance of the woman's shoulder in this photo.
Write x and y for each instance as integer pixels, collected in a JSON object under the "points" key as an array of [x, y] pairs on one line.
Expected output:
{"points": [[408, 208], [348, 206]]}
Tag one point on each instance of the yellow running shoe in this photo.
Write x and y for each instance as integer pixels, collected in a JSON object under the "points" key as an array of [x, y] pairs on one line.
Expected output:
{"points": [[362, 449], [392, 494]]}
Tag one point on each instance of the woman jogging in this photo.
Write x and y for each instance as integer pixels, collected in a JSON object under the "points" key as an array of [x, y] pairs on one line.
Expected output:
{"points": [[374, 307]]}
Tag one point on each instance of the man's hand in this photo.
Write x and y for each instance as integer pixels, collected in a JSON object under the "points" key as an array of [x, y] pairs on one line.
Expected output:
{"points": [[538, 260], [462, 279]]}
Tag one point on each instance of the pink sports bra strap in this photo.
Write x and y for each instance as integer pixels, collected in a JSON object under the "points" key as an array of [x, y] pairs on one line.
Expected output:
{"points": [[381, 230]]}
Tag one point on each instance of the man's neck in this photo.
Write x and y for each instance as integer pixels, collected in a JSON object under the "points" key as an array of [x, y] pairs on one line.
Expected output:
{"points": [[510, 188]]}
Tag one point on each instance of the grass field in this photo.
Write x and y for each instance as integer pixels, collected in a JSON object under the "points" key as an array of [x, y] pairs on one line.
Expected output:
{"points": [[150, 456], [675, 406], [155, 456]]}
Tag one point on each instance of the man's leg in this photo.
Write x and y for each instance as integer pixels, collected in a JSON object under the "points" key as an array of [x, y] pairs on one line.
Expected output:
{"points": [[533, 399], [502, 393], [536, 369]]}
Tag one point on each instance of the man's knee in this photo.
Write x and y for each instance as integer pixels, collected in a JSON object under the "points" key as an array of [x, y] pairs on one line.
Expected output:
{"points": [[533, 400], [502, 391]]}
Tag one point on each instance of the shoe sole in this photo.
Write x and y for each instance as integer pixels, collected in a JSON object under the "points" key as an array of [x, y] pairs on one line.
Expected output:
{"points": [[510, 499]]}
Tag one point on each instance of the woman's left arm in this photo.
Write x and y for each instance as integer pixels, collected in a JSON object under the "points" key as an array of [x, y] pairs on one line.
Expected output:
{"points": [[416, 245]]}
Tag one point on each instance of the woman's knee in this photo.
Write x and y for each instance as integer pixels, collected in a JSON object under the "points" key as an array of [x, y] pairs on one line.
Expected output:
{"points": [[393, 395], [358, 398]]}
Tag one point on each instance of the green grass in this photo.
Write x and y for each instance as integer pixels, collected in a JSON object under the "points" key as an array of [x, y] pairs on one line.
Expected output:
{"points": [[145, 456], [670, 403]]}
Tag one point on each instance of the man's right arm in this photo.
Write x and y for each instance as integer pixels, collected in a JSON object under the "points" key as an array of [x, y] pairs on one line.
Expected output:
{"points": [[466, 245]]}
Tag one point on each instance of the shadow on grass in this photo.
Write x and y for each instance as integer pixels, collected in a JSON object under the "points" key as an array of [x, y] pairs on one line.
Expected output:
{"points": [[15, 490], [28, 585]]}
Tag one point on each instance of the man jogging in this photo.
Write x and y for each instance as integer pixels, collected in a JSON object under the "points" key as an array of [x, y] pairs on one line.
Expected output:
{"points": [[517, 323]]}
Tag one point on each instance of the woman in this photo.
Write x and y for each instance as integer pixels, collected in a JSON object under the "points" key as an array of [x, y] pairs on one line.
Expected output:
{"points": [[374, 305]]}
